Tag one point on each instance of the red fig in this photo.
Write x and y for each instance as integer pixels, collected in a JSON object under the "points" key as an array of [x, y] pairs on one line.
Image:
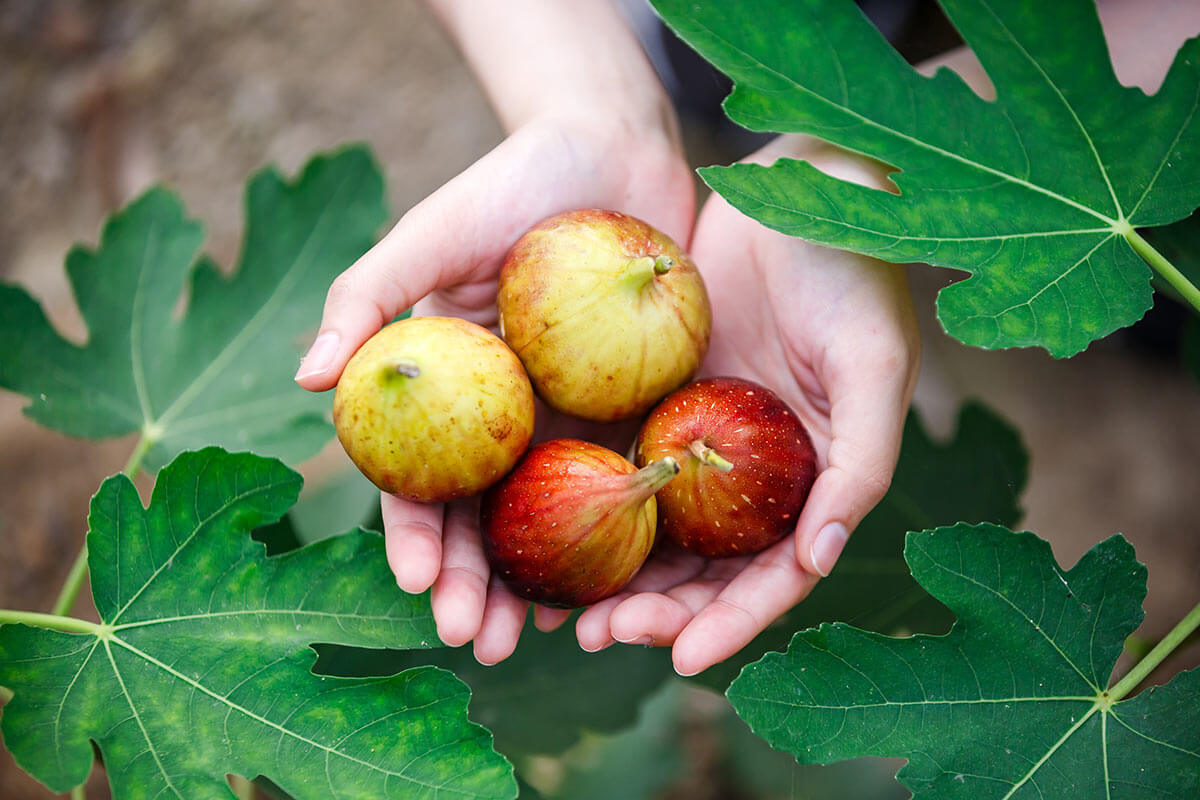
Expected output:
{"points": [[607, 313], [746, 466], [572, 523], [434, 408]]}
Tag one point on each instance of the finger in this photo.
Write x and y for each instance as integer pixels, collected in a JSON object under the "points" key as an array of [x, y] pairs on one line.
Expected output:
{"points": [[592, 628], [769, 585], [412, 537], [670, 566], [503, 617], [457, 234], [866, 423], [657, 618], [649, 618], [547, 619], [460, 592]]}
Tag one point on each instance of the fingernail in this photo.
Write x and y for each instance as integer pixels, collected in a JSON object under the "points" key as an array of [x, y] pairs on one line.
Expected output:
{"points": [[319, 356], [828, 545], [607, 644], [683, 674], [643, 639]]}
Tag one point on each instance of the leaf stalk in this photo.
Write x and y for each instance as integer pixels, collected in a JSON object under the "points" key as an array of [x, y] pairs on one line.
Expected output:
{"points": [[1156, 656], [1178, 281], [70, 589], [55, 622]]}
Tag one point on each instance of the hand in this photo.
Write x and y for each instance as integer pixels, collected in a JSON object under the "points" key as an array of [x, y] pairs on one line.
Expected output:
{"points": [[443, 257], [835, 336]]}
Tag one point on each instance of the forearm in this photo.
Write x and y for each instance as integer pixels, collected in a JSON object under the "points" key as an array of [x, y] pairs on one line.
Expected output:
{"points": [[534, 56]]}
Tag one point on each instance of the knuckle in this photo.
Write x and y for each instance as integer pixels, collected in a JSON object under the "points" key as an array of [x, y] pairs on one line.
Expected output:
{"points": [[738, 610], [875, 483], [343, 290]]}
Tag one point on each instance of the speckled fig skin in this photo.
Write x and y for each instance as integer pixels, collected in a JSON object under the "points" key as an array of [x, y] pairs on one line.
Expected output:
{"points": [[607, 314], [720, 423], [434, 408], [572, 523]]}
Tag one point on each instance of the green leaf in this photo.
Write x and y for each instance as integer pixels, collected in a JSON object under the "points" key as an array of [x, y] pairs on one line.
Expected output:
{"points": [[1012, 702], [202, 664], [977, 476], [1035, 194], [543, 697], [220, 372]]}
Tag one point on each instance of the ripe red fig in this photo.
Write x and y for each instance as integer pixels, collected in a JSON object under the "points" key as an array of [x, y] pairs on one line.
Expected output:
{"points": [[746, 466], [434, 408], [607, 314], [572, 523]]}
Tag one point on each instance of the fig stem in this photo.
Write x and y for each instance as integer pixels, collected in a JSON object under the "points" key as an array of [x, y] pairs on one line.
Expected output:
{"points": [[709, 456], [406, 368], [655, 475], [643, 269]]}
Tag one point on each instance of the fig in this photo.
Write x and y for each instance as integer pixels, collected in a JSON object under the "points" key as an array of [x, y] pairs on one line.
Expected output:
{"points": [[746, 466], [607, 314], [572, 523], [434, 408]]}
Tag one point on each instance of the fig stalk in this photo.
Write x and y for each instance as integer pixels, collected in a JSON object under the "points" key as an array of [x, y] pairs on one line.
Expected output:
{"points": [[655, 475], [407, 368], [643, 269], [709, 456]]}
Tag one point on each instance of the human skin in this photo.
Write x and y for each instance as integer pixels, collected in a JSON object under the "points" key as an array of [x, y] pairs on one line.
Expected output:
{"points": [[831, 332]]}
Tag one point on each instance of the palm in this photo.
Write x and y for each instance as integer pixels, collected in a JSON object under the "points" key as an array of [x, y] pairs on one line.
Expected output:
{"points": [[811, 330], [650, 182], [453, 261]]}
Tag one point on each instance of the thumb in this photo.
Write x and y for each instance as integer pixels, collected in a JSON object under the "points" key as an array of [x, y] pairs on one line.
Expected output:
{"points": [[459, 233], [866, 429]]}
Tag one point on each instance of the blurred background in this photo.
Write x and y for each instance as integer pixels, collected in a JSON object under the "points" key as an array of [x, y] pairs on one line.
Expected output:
{"points": [[100, 100]]}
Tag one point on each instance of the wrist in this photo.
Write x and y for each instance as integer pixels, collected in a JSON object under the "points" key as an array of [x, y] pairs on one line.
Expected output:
{"points": [[535, 58]]}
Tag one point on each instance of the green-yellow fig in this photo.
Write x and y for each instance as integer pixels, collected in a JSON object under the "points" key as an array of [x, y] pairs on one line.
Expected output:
{"points": [[434, 408], [607, 314]]}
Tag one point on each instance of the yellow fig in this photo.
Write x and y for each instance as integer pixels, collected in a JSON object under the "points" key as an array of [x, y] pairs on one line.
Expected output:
{"points": [[434, 408]]}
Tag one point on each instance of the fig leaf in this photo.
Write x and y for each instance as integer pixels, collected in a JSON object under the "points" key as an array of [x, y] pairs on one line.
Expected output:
{"points": [[1013, 702], [221, 371], [1037, 193], [202, 664]]}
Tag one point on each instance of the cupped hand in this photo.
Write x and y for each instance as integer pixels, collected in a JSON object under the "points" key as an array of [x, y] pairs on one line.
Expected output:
{"points": [[443, 257], [834, 335]]}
